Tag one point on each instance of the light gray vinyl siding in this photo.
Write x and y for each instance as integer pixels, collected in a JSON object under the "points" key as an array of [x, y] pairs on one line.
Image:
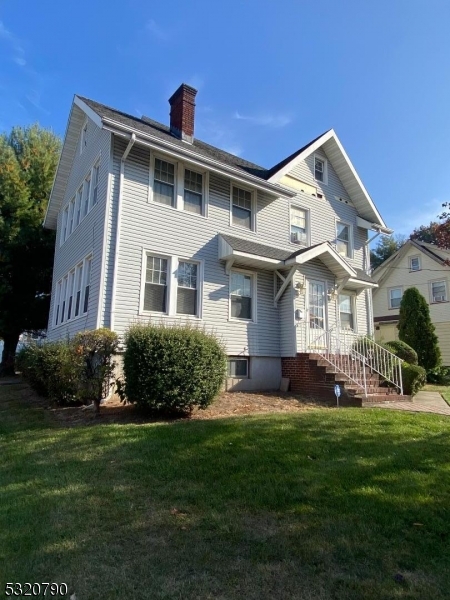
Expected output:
{"points": [[87, 238], [147, 226], [287, 321], [325, 211]]}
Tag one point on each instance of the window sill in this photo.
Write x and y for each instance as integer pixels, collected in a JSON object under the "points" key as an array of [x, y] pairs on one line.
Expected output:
{"points": [[178, 210], [243, 228], [440, 302], [150, 313], [70, 321], [394, 308], [243, 321]]}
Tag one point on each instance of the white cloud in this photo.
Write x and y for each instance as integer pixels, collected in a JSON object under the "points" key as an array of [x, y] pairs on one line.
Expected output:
{"points": [[265, 119], [34, 98], [14, 42], [157, 31]]}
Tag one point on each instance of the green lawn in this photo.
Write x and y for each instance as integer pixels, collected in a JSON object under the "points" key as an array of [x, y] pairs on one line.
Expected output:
{"points": [[325, 504], [444, 390]]}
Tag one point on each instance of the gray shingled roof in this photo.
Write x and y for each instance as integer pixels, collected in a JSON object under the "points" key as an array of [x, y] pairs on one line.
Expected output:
{"points": [[161, 131], [241, 245], [362, 276]]}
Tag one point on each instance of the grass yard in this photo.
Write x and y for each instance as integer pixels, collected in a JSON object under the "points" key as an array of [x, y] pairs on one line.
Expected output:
{"points": [[444, 390], [321, 504]]}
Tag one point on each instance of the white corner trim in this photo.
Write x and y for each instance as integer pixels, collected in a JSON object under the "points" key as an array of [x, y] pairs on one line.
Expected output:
{"points": [[88, 111]]}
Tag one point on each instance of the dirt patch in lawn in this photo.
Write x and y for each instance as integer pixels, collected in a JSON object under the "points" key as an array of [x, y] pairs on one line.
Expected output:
{"points": [[226, 405]]}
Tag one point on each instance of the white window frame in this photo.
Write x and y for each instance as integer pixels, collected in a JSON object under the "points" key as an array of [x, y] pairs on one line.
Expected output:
{"points": [[411, 258], [172, 161], [238, 358], [79, 205], [64, 224], [389, 290], [253, 209], [61, 298], [205, 187], [432, 300], [254, 288], [95, 184], [56, 306], [172, 285], [86, 282], [294, 205], [71, 228], [353, 300], [350, 237], [87, 187], [325, 169]]}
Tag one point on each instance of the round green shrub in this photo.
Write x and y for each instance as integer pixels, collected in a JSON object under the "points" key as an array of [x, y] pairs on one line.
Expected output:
{"points": [[172, 369], [403, 351], [414, 378]]}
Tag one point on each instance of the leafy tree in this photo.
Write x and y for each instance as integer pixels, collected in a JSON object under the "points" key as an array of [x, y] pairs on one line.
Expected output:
{"points": [[425, 233], [416, 329], [28, 160], [386, 247]]}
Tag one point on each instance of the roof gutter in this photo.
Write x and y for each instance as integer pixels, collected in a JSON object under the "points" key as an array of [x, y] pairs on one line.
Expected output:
{"points": [[198, 159], [132, 140]]}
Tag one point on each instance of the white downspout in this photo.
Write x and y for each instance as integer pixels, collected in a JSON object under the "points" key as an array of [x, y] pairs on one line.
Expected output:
{"points": [[119, 228]]}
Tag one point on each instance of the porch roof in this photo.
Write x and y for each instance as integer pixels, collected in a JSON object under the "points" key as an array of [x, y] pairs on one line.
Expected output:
{"points": [[255, 255]]}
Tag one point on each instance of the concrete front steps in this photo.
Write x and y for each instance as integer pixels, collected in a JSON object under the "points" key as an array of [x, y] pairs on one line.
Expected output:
{"points": [[311, 375]]}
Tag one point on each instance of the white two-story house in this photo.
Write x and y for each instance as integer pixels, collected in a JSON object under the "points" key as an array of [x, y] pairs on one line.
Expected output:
{"points": [[153, 224]]}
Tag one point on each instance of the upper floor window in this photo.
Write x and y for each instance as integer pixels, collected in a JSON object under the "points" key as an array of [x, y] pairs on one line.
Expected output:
{"points": [[86, 195], [193, 191], [241, 207], [439, 291], [83, 142], [320, 170], [95, 179], [414, 263], [155, 294], [187, 288], [241, 296], [395, 297], [343, 241], [164, 182], [78, 206], [346, 311], [299, 226]]}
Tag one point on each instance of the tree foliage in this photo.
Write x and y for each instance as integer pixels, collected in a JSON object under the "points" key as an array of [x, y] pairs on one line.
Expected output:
{"points": [[28, 160], [426, 233], [416, 329], [386, 247]]}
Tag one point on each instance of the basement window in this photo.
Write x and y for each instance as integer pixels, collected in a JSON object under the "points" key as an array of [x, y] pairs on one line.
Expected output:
{"points": [[238, 367]]}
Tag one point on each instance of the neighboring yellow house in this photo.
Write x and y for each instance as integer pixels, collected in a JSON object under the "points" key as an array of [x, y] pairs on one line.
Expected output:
{"points": [[419, 265]]}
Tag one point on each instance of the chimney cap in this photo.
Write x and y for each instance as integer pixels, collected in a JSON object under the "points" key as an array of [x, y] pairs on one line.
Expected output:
{"points": [[184, 87]]}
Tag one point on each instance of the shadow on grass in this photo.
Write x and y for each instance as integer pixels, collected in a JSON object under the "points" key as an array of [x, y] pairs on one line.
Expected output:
{"points": [[325, 504]]}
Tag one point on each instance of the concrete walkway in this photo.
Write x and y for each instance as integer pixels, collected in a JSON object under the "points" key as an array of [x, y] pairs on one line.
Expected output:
{"points": [[430, 402]]}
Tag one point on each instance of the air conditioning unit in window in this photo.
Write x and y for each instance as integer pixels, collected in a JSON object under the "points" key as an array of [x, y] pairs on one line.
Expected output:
{"points": [[298, 238], [439, 298]]}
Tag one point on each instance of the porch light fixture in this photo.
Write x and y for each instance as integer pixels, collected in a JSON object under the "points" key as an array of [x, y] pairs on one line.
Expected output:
{"points": [[332, 293]]}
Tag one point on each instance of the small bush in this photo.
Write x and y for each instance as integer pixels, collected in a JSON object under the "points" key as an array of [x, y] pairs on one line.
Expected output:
{"points": [[403, 351], [96, 350], [440, 376], [414, 378], [172, 369]]}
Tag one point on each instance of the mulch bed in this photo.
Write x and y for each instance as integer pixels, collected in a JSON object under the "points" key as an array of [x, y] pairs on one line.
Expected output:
{"points": [[228, 404]]}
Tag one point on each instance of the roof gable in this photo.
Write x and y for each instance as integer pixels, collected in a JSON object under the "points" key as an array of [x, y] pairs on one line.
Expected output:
{"points": [[344, 169]]}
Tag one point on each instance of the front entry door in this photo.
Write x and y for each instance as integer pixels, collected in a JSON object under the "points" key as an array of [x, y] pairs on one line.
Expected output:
{"points": [[317, 314]]}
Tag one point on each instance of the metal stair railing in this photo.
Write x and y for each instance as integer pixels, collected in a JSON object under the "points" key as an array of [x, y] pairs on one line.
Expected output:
{"points": [[352, 355]]}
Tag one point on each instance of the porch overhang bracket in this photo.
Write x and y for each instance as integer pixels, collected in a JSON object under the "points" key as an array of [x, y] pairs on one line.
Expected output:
{"points": [[286, 282], [282, 277], [341, 285], [228, 265]]}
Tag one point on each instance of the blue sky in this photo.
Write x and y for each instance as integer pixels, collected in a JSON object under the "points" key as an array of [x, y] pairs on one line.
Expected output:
{"points": [[271, 76]]}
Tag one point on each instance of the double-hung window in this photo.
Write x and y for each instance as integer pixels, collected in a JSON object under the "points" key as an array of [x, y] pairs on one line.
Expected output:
{"points": [[414, 263], [86, 193], [79, 206], [193, 191], [438, 291], [187, 278], [164, 182], [71, 216], [319, 169], [87, 283], [95, 179], [65, 224], [58, 301], [70, 294], [64, 293], [242, 208], [395, 297], [343, 243], [241, 296], [346, 311], [155, 295], [299, 226], [78, 286]]}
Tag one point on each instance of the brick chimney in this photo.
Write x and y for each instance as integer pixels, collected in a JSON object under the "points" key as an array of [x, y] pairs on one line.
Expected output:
{"points": [[182, 113]]}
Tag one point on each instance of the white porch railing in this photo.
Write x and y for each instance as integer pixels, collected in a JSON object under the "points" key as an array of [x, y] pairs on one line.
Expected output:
{"points": [[354, 356]]}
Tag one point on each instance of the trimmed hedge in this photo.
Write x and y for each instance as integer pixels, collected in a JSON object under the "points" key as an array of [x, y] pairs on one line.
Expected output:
{"points": [[77, 371], [403, 351], [414, 378], [172, 369]]}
